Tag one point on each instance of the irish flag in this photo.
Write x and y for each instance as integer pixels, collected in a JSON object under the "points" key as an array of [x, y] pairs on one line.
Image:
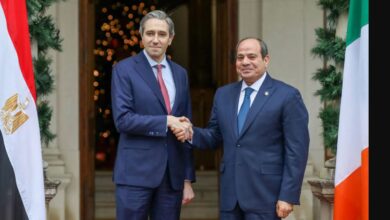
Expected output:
{"points": [[21, 174], [351, 180]]}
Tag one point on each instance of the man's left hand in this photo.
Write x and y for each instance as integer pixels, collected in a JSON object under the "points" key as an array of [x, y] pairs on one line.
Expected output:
{"points": [[283, 209], [188, 193]]}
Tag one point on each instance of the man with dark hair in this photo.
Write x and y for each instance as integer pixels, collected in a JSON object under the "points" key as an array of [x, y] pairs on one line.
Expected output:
{"points": [[153, 171], [263, 126]]}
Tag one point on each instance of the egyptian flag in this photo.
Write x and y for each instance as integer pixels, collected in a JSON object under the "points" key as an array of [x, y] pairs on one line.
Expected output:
{"points": [[21, 172], [351, 180]]}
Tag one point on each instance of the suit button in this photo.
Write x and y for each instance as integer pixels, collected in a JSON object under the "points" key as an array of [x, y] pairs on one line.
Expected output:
{"points": [[238, 145]]}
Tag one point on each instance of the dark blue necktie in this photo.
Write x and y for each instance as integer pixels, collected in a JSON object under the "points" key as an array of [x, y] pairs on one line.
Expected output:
{"points": [[244, 108]]}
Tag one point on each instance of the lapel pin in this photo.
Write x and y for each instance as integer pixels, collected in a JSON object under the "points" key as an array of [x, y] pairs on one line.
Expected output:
{"points": [[266, 93]]}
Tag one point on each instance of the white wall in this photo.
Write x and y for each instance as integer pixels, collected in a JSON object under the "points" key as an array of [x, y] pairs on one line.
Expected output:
{"points": [[63, 153]]}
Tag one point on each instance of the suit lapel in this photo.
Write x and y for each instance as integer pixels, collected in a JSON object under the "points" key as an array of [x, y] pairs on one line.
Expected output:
{"points": [[264, 94], [145, 71], [234, 105], [178, 85]]}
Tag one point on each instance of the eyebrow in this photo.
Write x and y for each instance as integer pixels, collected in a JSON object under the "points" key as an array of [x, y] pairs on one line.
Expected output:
{"points": [[248, 54]]}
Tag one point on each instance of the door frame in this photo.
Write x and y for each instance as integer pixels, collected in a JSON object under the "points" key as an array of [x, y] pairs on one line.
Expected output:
{"points": [[86, 109], [227, 36]]}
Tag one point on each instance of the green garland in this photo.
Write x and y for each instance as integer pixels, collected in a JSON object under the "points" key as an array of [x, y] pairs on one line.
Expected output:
{"points": [[46, 35], [331, 49]]}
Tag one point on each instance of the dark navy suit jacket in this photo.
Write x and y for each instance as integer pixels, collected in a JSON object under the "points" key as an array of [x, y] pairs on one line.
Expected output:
{"points": [[146, 148], [267, 161]]}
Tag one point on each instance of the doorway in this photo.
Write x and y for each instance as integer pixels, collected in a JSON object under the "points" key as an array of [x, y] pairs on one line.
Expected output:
{"points": [[209, 34]]}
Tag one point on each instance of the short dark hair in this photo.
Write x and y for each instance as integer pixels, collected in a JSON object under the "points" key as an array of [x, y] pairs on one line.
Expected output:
{"points": [[263, 45]]}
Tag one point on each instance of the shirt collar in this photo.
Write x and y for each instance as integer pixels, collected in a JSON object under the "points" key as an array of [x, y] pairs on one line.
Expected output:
{"points": [[152, 62], [256, 85]]}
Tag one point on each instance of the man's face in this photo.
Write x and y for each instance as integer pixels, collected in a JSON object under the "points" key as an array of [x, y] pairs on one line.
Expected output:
{"points": [[249, 62], [155, 38]]}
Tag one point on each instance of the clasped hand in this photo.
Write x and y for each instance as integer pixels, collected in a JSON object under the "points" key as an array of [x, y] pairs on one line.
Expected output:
{"points": [[181, 127]]}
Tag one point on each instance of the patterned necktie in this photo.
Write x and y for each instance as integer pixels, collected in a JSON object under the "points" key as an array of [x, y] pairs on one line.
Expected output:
{"points": [[163, 88], [244, 108]]}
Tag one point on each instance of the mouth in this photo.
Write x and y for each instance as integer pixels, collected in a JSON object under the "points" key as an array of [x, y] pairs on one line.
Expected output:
{"points": [[246, 70]]}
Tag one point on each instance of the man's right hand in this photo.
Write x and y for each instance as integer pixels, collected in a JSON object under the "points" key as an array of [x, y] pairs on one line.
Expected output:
{"points": [[181, 127]]}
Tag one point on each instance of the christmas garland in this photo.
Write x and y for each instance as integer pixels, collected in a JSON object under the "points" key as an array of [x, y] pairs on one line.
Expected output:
{"points": [[46, 36], [331, 49]]}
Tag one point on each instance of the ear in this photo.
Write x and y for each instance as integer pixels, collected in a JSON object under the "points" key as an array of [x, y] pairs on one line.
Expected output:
{"points": [[170, 40], [266, 60]]}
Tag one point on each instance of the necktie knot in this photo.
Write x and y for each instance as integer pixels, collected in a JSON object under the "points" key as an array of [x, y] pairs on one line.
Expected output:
{"points": [[159, 68], [248, 92]]}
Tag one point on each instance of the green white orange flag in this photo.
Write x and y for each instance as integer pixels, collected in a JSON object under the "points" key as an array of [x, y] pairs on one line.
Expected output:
{"points": [[351, 179], [21, 174]]}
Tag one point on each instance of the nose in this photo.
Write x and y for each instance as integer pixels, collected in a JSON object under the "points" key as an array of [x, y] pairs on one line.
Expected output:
{"points": [[155, 38], [245, 61]]}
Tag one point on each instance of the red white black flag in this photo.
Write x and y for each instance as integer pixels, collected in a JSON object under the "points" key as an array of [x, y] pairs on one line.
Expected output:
{"points": [[21, 174]]}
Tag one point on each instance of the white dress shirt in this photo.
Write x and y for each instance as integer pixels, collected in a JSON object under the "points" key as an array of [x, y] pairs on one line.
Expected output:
{"points": [[166, 75], [255, 86]]}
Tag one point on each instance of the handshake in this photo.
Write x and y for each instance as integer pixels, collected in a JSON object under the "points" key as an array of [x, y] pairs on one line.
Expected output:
{"points": [[181, 127]]}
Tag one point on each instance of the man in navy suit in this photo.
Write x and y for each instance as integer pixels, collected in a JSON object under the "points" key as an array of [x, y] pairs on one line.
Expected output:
{"points": [[153, 170], [264, 132]]}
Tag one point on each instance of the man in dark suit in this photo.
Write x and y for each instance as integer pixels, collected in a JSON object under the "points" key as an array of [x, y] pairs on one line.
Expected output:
{"points": [[263, 126], [153, 171]]}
